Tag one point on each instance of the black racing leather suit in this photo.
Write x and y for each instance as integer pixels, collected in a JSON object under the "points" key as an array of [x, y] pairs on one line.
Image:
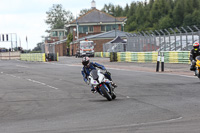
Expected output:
{"points": [[193, 55]]}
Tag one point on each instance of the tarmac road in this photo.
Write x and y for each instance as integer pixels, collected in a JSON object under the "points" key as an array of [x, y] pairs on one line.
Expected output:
{"points": [[52, 98]]}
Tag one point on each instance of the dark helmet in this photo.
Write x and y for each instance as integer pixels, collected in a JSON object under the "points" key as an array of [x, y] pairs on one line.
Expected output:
{"points": [[85, 61], [196, 46]]}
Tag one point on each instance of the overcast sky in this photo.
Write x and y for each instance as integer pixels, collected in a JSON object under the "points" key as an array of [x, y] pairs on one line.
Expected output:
{"points": [[27, 17]]}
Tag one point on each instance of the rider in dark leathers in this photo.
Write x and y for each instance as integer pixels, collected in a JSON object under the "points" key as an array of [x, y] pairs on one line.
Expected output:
{"points": [[193, 54], [89, 66]]}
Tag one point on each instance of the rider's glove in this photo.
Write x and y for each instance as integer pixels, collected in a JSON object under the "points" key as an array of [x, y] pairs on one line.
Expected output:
{"points": [[88, 82], [108, 73], [103, 71], [85, 80], [193, 62]]}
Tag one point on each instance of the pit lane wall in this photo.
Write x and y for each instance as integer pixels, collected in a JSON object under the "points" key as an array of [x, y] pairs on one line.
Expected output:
{"points": [[33, 57], [169, 56], [10, 55]]}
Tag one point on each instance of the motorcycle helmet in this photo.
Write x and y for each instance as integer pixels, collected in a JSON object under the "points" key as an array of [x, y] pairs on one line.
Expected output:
{"points": [[196, 46], [85, 61]]}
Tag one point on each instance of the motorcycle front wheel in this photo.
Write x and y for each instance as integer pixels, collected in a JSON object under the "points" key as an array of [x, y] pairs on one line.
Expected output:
{"points": [[198, 73], [105, 92], [113, 95]]}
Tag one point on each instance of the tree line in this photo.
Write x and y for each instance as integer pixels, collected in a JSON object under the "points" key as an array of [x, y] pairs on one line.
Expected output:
{"points": [[157, 14]]}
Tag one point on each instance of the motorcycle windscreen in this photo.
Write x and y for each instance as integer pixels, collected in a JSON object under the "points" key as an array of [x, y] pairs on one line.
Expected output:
{"points": [[94, 74]]}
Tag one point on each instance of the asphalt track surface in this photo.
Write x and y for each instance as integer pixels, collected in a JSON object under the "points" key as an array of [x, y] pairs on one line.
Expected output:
{"points": [[51, 97]]}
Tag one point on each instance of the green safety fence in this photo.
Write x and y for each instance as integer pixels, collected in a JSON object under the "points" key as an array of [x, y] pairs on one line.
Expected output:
{"points": [[33, 57]]}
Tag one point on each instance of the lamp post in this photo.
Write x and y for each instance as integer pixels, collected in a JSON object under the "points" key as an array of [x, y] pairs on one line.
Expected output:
{"points": [[112, 13], [74, 33], [115, 25]]}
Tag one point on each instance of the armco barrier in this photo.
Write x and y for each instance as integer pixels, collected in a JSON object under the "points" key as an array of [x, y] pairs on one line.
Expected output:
{"points": [[33, 57]]}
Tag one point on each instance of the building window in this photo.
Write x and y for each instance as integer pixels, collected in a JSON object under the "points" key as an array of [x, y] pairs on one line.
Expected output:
{"points": [[108, 27], [83, 29], [54, 33], [61, 33], [90, 29], [103, 28]]}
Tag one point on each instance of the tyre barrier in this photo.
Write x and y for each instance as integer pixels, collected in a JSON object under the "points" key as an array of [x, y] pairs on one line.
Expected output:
{"points": [[102, 54], [113, 57], [33, 57], [177, 57], [137, 56], [169, 56]]}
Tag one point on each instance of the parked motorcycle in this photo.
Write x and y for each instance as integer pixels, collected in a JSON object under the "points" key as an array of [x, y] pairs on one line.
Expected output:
{"points": [[197, 70], [101, 84]]}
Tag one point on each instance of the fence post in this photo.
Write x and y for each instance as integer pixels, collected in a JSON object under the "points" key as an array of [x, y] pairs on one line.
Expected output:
{"points": [[158, 62], [162, 62], [186, 37], [159, 39], [197, 30]]}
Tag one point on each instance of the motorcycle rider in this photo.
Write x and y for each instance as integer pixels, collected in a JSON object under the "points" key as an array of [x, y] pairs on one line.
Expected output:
{"points": [[193, 54], [89, 66]]}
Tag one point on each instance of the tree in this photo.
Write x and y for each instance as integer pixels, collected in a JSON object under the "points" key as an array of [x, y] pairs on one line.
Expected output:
{"points": [[188, 6], [196, 17], [178, 13], [140, 16], [69, 39], [165, 22], [83, 11], [125, 11], [155, 13], [57, 17], [108, 8], [118, 11], [188, 20], [38, 47]]}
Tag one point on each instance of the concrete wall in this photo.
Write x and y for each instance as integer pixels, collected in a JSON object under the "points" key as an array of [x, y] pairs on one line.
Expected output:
{"points": [[10, 55]]}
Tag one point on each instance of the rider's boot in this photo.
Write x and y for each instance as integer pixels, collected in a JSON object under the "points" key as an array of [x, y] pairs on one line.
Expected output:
{"points": [[93, 90], [113, 84], [195, 74]]}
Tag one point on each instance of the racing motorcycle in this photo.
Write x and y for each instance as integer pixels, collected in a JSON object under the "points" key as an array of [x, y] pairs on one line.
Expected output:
{"points": [[197, 66], [101, 84]]}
